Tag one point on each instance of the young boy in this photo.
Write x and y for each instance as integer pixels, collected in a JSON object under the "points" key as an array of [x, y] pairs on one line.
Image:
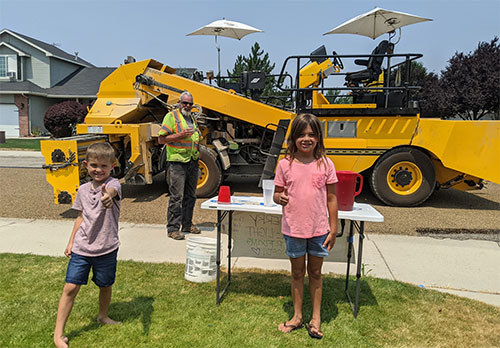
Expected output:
{"points": [[94, 240]]}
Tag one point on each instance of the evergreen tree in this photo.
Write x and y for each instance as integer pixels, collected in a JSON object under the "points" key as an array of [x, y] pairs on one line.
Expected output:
{"points": [[258, 60]]}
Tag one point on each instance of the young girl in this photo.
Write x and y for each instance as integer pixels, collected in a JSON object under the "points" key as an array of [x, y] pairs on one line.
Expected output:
{"points": [[305, 187]]}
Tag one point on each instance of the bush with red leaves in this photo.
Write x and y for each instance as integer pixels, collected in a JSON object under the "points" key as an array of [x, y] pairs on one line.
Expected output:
{"points": [[60, 118]]}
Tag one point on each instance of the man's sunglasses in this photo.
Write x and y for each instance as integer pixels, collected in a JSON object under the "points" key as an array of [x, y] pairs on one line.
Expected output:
{"points": [[187, 103]]}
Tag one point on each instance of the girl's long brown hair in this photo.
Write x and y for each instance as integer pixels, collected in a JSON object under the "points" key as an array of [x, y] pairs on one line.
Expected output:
{"points": [[298, 125]]}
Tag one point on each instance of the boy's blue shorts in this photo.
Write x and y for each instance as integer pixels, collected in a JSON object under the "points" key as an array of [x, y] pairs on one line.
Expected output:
{"points": [[103, 269], [298, 247]]}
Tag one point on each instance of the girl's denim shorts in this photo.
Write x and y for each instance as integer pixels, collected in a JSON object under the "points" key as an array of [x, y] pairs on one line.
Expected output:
{"points": [[103, 269], [298, 247]]}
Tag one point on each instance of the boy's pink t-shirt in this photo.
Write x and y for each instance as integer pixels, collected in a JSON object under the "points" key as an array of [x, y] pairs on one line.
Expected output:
{"points": [[98, 233], [306, 214]]}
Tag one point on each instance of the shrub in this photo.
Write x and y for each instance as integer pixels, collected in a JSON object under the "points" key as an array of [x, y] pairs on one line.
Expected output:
{"points": [[61, 118], [36, 131]]}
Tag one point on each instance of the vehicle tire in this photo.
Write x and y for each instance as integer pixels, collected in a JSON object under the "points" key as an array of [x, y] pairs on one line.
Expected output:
{"points": [[210, 176], [403, 177]]}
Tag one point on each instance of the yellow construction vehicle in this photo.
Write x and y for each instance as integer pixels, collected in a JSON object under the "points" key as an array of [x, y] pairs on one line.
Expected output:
{"points": [[378, 132]]}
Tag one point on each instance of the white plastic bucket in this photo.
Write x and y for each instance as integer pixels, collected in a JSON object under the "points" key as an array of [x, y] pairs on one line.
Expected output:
{"points": [[201, 254]]}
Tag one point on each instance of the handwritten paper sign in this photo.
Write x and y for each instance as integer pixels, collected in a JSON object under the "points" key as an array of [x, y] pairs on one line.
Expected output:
{"points": [[259, 235]]}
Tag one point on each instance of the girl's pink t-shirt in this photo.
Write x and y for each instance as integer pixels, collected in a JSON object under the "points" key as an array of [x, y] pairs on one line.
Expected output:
{"points": [[306, 214]]}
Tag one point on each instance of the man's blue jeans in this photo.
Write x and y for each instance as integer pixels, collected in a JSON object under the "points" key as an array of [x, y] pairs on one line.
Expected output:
{"points": [[183, 178]]}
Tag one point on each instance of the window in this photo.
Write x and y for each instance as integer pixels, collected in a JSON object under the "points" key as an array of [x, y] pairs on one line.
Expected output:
{"points": [[3, 66], [8, 65]]}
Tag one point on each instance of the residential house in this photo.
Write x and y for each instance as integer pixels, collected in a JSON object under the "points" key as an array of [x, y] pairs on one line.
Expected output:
{"points": [[35, 75]]}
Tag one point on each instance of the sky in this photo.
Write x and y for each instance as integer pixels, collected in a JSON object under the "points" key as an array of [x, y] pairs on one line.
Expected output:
{"points": [[105, 32]]}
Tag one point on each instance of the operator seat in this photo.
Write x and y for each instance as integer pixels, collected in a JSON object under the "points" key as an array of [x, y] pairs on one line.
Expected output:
{"points": [[373, 66]]}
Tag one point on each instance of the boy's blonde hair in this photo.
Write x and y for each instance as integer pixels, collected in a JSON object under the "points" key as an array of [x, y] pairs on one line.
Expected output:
{"points": [[101, 151]]}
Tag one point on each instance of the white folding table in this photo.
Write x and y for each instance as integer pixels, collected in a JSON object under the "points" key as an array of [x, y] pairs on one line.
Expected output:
{"points": [[360, 214]]}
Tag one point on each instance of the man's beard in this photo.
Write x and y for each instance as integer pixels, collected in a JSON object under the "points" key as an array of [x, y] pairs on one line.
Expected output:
{"points": [[185, 112]]}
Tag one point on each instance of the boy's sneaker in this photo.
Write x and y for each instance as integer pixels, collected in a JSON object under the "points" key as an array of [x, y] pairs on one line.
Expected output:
{"points": [[193, 229], [175, 235]]}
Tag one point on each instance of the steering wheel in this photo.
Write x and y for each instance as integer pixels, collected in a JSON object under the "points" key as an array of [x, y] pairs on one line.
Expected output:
{"points": [[337, 61]]}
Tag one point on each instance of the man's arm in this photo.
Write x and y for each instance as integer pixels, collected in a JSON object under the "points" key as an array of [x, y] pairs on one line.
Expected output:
{"points": [[165, 139]]}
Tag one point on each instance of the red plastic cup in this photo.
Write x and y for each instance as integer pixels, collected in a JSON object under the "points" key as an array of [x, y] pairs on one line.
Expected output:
{"points": [[346, 189], [224, 194]]}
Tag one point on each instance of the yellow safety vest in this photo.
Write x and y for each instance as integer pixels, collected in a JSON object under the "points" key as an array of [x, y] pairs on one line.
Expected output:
{"points": [[184, 149]]}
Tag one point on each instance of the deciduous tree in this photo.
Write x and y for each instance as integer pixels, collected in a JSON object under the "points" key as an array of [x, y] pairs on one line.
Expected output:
{"points": [[471, 82], [61, 118]]}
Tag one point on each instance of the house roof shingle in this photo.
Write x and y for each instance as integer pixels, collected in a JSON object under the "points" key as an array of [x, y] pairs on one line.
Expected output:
{"points": [[53, 50], [21, 87], [83, 83]]}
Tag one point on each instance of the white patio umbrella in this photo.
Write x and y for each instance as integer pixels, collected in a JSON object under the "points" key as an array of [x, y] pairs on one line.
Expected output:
{"points": [[226, 28], [376, 22]]}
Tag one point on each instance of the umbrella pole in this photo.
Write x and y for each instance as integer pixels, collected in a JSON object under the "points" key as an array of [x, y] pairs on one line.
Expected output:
{"points": [[218, 55]]}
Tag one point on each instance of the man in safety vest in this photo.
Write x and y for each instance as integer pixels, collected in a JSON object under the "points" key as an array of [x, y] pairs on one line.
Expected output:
{"points": [[180, 133]]}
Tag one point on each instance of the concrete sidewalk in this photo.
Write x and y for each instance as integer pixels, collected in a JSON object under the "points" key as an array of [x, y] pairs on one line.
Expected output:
{"points": [[466, 268], [21, 159]]}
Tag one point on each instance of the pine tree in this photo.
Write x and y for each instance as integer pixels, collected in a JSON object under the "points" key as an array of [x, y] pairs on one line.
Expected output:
{"points": [[258, 60], [254, 62]]}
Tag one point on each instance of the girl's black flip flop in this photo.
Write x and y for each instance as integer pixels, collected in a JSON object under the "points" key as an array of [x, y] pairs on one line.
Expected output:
{"points": [[293, 327], [314, 334]]}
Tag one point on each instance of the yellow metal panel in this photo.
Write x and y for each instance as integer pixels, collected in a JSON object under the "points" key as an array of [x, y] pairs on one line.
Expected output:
{"points": [[445, 175], [471, 147], [117, 99], [311, 74], [374, 136], [391, 131], [140, 136], [354, 163], [379, 131], [119, 83], [110, 109], [344, 106], [319, 100], [64, 179]]}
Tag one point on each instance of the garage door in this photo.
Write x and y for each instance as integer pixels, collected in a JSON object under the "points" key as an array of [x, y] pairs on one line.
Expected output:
{"points": [[9, 120]]}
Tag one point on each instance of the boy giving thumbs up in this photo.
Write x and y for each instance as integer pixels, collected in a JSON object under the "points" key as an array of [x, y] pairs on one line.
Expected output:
{"points": [[93, 243]]}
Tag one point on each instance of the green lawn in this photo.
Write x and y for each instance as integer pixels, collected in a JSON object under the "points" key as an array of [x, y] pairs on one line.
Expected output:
{"points": [[159, 308], [21, 143]]}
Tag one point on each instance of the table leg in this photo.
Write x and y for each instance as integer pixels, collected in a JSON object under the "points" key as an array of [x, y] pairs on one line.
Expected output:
{"points": [[217, 259], [349, 254], [358, 272], [229, 241], [220, 217], [360, 229]]}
